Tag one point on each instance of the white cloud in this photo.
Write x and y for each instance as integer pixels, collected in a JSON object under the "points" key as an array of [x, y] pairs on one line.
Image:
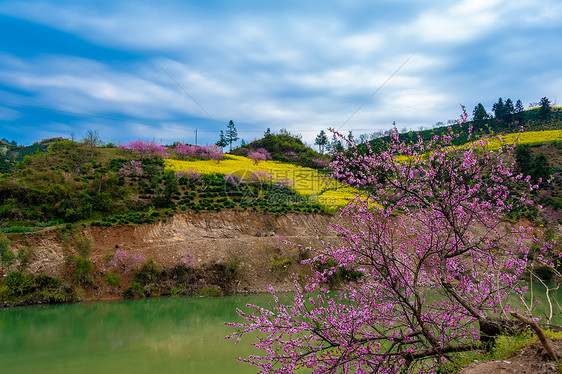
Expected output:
{"points": [[291, 68], [464, 21]]}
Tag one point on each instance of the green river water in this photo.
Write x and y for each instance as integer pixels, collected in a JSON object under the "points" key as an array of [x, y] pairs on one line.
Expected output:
{"points": [[161, 335]]}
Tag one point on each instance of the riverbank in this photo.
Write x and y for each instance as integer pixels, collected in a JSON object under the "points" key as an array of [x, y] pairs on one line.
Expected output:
{"points": [[190, 253]]}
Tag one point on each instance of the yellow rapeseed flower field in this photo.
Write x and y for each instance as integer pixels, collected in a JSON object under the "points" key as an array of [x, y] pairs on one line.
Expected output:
{"points": [[312, 183], [525, 138], [306, 181]]}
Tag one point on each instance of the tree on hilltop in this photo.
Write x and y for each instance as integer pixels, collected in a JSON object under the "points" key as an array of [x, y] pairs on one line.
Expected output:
{"points": [[321, 141], [479, 115], [519, 112], [231, 134], [499, 109], [545, 109], [222, 142], [509, 109]]}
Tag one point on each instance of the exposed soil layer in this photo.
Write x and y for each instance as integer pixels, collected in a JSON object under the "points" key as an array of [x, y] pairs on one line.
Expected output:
{"points": [[254, 240], [529, 360]]}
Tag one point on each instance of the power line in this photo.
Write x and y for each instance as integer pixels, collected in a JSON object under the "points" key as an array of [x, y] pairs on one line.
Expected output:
{"points": [[374, 93], [188, 94]]}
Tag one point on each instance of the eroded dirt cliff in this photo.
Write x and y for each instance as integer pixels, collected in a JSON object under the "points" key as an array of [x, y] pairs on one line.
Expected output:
{"points": [[254, 241]]}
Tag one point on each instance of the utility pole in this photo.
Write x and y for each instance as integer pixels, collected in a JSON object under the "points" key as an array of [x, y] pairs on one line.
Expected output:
{"points": [[195, 136]]}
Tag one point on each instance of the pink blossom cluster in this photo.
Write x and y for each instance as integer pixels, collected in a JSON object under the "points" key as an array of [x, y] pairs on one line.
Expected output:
{"points": [[260, 176], [126, 261], [206, 152], [145, 148], [234, 179], [436, 262], [291, 155], [321, 162], [190, 174], [132, 169], [258, 155], [187, 261]]}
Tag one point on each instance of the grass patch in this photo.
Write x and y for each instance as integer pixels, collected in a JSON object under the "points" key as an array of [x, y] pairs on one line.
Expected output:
{"points": [[505, 348]]}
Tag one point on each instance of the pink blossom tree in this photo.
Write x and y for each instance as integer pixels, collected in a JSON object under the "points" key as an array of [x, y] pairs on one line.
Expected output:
{"points": [[258, 155], [145, 148], [132, 169], [437, 264], [197, 152]]}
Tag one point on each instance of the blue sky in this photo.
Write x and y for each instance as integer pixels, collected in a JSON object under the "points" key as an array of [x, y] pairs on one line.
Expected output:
{"points": [[117, 67]]}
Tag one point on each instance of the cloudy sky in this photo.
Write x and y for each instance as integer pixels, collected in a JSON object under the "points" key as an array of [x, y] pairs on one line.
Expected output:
{"points": [[163, 69]]}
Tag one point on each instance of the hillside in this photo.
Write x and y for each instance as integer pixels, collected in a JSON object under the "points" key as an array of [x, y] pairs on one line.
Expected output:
{"points": [[206, 253], [83, 222], [73, 182], [285, 147], [529, 120]]}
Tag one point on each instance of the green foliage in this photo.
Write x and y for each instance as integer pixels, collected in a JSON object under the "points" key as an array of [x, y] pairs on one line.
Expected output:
{"points": [[280, 263], [321, 140], [150, 272], [209, 291], [83, 245], [283, 147], [479, 116], [231, 134], [24, 257], [83, 268], [222, 142], [339, 275], [135, 289], [7, 257], [545, 109], [50, 223], [232, 268], [112, 279], [17, 229], [535, 166], [17, 283]]}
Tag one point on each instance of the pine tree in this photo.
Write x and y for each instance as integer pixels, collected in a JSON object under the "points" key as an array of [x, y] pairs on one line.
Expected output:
{"points": [[321, 141], [508, 111], [544, 110], [498, 109], [519, 112], [222, 140], [231, 134], [479, 115]]}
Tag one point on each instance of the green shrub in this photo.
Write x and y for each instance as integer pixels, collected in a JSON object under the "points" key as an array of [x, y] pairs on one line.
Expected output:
{"points": [[17, 229], [232, 268], [18, 283], [209, 291], [50, 223], [47, 282], [135, 289], [83, 268], [150, 272], [176, 291], [112, 279], [24, 257], [5, 292], [7, 257], [280, 263]]}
